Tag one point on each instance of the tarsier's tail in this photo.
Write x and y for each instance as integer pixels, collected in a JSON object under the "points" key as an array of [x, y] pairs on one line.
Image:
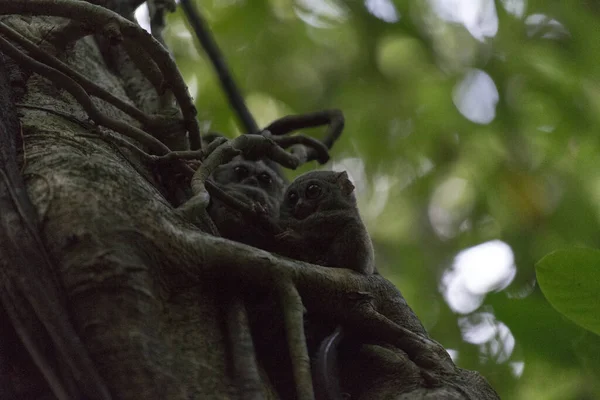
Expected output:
{"points": [[326, 379]]}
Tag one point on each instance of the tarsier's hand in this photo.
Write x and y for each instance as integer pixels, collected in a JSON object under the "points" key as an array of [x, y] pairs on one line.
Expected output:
{"points": [[288, 235], [193, 164], [261, 210]]}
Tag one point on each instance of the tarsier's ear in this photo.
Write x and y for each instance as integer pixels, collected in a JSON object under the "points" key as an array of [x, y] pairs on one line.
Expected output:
{"points": [[344, 183]]}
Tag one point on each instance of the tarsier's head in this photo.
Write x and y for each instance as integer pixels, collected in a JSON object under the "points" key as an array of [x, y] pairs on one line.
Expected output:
{"points": [[249, 175], [317, 191]]}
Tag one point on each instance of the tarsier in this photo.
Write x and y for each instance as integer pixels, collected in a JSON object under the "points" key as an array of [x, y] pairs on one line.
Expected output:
{"points": [[320, 224], [249, 181], [254, 182]]}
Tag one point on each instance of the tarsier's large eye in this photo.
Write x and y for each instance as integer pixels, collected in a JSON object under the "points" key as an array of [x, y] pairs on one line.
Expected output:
{"points": [[264, 177], [292, 197], [313, 191], [240, 172]]}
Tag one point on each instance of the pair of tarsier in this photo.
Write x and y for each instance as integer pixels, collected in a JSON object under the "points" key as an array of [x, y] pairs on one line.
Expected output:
{"points": [[319, 223], [317, 213]]}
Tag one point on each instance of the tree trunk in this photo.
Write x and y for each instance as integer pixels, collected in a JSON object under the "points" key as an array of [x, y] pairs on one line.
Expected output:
{"points": [[140, 288]]}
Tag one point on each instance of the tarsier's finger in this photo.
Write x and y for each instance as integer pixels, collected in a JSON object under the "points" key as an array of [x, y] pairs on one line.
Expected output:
{"points": [[319, 149], [293, 311]]}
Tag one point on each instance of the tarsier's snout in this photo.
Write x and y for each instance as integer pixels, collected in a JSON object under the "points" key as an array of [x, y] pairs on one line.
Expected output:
{"points": [[302, 210], [250, 181]]}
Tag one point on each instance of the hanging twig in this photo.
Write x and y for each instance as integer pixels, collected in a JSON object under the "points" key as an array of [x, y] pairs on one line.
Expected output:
{"points": [[225, 78]]}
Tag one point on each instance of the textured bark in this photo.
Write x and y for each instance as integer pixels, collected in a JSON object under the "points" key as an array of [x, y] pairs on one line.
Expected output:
{"points": [[143, 287]]}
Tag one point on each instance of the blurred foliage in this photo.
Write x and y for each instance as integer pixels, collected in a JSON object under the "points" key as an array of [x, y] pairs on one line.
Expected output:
{"points": [[473, 137]]}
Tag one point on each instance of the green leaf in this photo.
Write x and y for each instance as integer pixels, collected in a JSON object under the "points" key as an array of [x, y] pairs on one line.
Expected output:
{"points": [[570, 280]]}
